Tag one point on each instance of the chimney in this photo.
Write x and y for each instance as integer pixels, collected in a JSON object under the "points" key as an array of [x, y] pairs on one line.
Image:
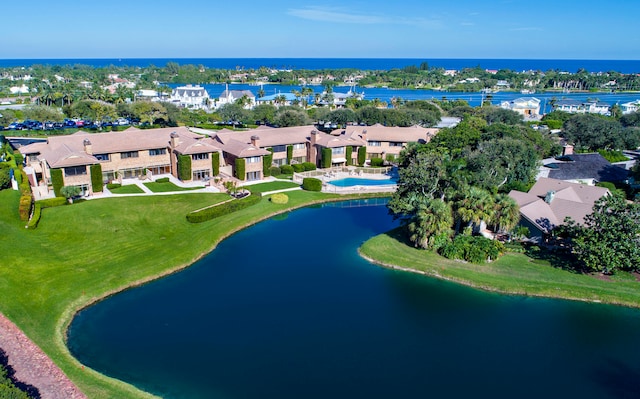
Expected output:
{"points": [[313, 151], [87, 146], [364, 135], [174, 140], [314, 137], [567, 149], [549, 197], [255, 141]]}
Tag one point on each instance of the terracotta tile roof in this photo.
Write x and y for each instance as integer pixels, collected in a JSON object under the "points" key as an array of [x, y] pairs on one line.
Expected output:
{"points": [[379, 132], [270, 136], [238, 148]]}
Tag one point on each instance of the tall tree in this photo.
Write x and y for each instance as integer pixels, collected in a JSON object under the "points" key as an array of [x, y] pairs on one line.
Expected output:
{"points": [[430, 225]]}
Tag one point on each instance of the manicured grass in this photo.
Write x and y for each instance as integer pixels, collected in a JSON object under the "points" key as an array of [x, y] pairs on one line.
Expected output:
{"points": [[512, 273], [167, 187], [79, 253], [127, 189], [271, 186]]}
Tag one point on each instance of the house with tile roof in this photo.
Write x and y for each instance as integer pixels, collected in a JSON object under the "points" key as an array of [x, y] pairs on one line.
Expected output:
{"points": [[550, 201]]}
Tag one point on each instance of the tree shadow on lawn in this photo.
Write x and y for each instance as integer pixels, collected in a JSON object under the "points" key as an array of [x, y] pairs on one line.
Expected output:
{"points": [[559, 258], [32, 391]]}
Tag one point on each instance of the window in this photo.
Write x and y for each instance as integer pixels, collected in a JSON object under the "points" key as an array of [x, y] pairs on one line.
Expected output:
{"points": [[157, 151], [130, 154], [280, 162], [200, 157], [395, 144], [102, 157], [253, 159], [337, 150], [374, 143], [75, 170], [200, 174], [33, 157], [132, 173], [108, 175], [299, 146], [279, 148], [299, 159], [160, 170], [253, 176]]}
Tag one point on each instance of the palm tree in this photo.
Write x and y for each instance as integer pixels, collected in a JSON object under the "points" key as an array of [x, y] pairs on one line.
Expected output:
{"points": [[475, 206], [430, 223], [280, 99], [506, 213], [306, 92]]}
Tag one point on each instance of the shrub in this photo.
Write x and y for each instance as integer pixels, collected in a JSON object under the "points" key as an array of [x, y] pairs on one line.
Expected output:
{"points": [[215, 163], [613, 156], [17, 175], [390, 158], [162, 180], [274, 171], [474, 249], [349, 155], [326, 158], [57, 181], [19, 158], [279, 198], [362, 155], [52, 202], [184, 167], [24, 208], [35, 218], [111, 186], [266, 164], [223, 209], [311, 184], [376, 162], [308, 166], [286, 169], [289, 154], [240, 168], [96, 177], [298, 167]]}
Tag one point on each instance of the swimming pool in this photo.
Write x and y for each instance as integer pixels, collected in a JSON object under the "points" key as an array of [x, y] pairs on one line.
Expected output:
{"points": [[359, 181]]}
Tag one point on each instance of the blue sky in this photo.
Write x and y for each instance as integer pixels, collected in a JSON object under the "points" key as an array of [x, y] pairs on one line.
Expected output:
{"points": [[558, 29]]}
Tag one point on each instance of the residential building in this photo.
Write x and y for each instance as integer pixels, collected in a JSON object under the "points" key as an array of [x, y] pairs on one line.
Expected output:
{"points": [[550, 201], [632, 106], [582, 168], [189, 96], [279, 99], [582, 107], [231, 96], [528, 107]]}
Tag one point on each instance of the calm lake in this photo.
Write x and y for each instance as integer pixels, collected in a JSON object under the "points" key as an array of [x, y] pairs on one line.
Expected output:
{"points": [[287, 309]]}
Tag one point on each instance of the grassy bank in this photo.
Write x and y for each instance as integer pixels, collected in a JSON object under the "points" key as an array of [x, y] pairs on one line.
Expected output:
{"points": [[511, 274], [80, 253]]}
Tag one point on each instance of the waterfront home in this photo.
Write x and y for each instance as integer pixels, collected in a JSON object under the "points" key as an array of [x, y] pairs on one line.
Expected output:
{"points": [[190, 96], [582, 107], [550, 201], [279, 99], [528, 107], [632, 106], [231, 96], [582, 168]]}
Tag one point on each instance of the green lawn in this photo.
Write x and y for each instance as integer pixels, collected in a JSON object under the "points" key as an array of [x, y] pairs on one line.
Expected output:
{"points": [[82, 252], [167, 187], [127, 189], [271, 186], [512, 273]]}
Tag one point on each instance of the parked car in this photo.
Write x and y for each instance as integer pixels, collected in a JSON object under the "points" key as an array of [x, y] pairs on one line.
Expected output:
{"points": [[121, 122], [16, 126], [69, 123]]}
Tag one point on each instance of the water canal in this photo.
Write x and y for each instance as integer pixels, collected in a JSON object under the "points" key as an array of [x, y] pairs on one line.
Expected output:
{"points": [[287, 309]]}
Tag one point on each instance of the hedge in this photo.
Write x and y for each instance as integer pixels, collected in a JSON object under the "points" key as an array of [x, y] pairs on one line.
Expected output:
{"points": [[162, 180], [289, 154], [326, 158], [184, 167], [57, 181], [474, 249], [376, 162], [24, 208], [298, 167], [111, 186], [223, 209], [215, 163], [52, 202], [19, 158], [266, 164], [308, 166], [286, 169], [35, 218], [96, 177], [240, 168], [311, 184], [362, 155], [349, 155]]}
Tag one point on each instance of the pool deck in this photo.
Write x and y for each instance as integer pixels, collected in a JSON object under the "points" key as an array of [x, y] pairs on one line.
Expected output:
{"points": [[331, 176]]}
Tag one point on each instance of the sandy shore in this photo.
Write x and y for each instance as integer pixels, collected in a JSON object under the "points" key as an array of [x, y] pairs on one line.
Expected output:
{"points": [[32, 367]]}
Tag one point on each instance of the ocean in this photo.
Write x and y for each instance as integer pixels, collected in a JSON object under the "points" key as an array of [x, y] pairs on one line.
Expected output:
{"points": [[622, 66]]}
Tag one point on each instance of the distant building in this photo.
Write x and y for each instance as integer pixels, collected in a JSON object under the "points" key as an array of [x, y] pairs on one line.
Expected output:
{"points": [[582, 168], [528, 107], [279, 99], [231, 96], [630, 107], [582, 107], [189, 96]]}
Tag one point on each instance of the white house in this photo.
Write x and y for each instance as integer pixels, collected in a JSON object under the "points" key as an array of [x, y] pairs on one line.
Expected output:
{"points": [[19, 89], [231, 96], [582, 107], [189, 96], [632, 106], [529, 107]]}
